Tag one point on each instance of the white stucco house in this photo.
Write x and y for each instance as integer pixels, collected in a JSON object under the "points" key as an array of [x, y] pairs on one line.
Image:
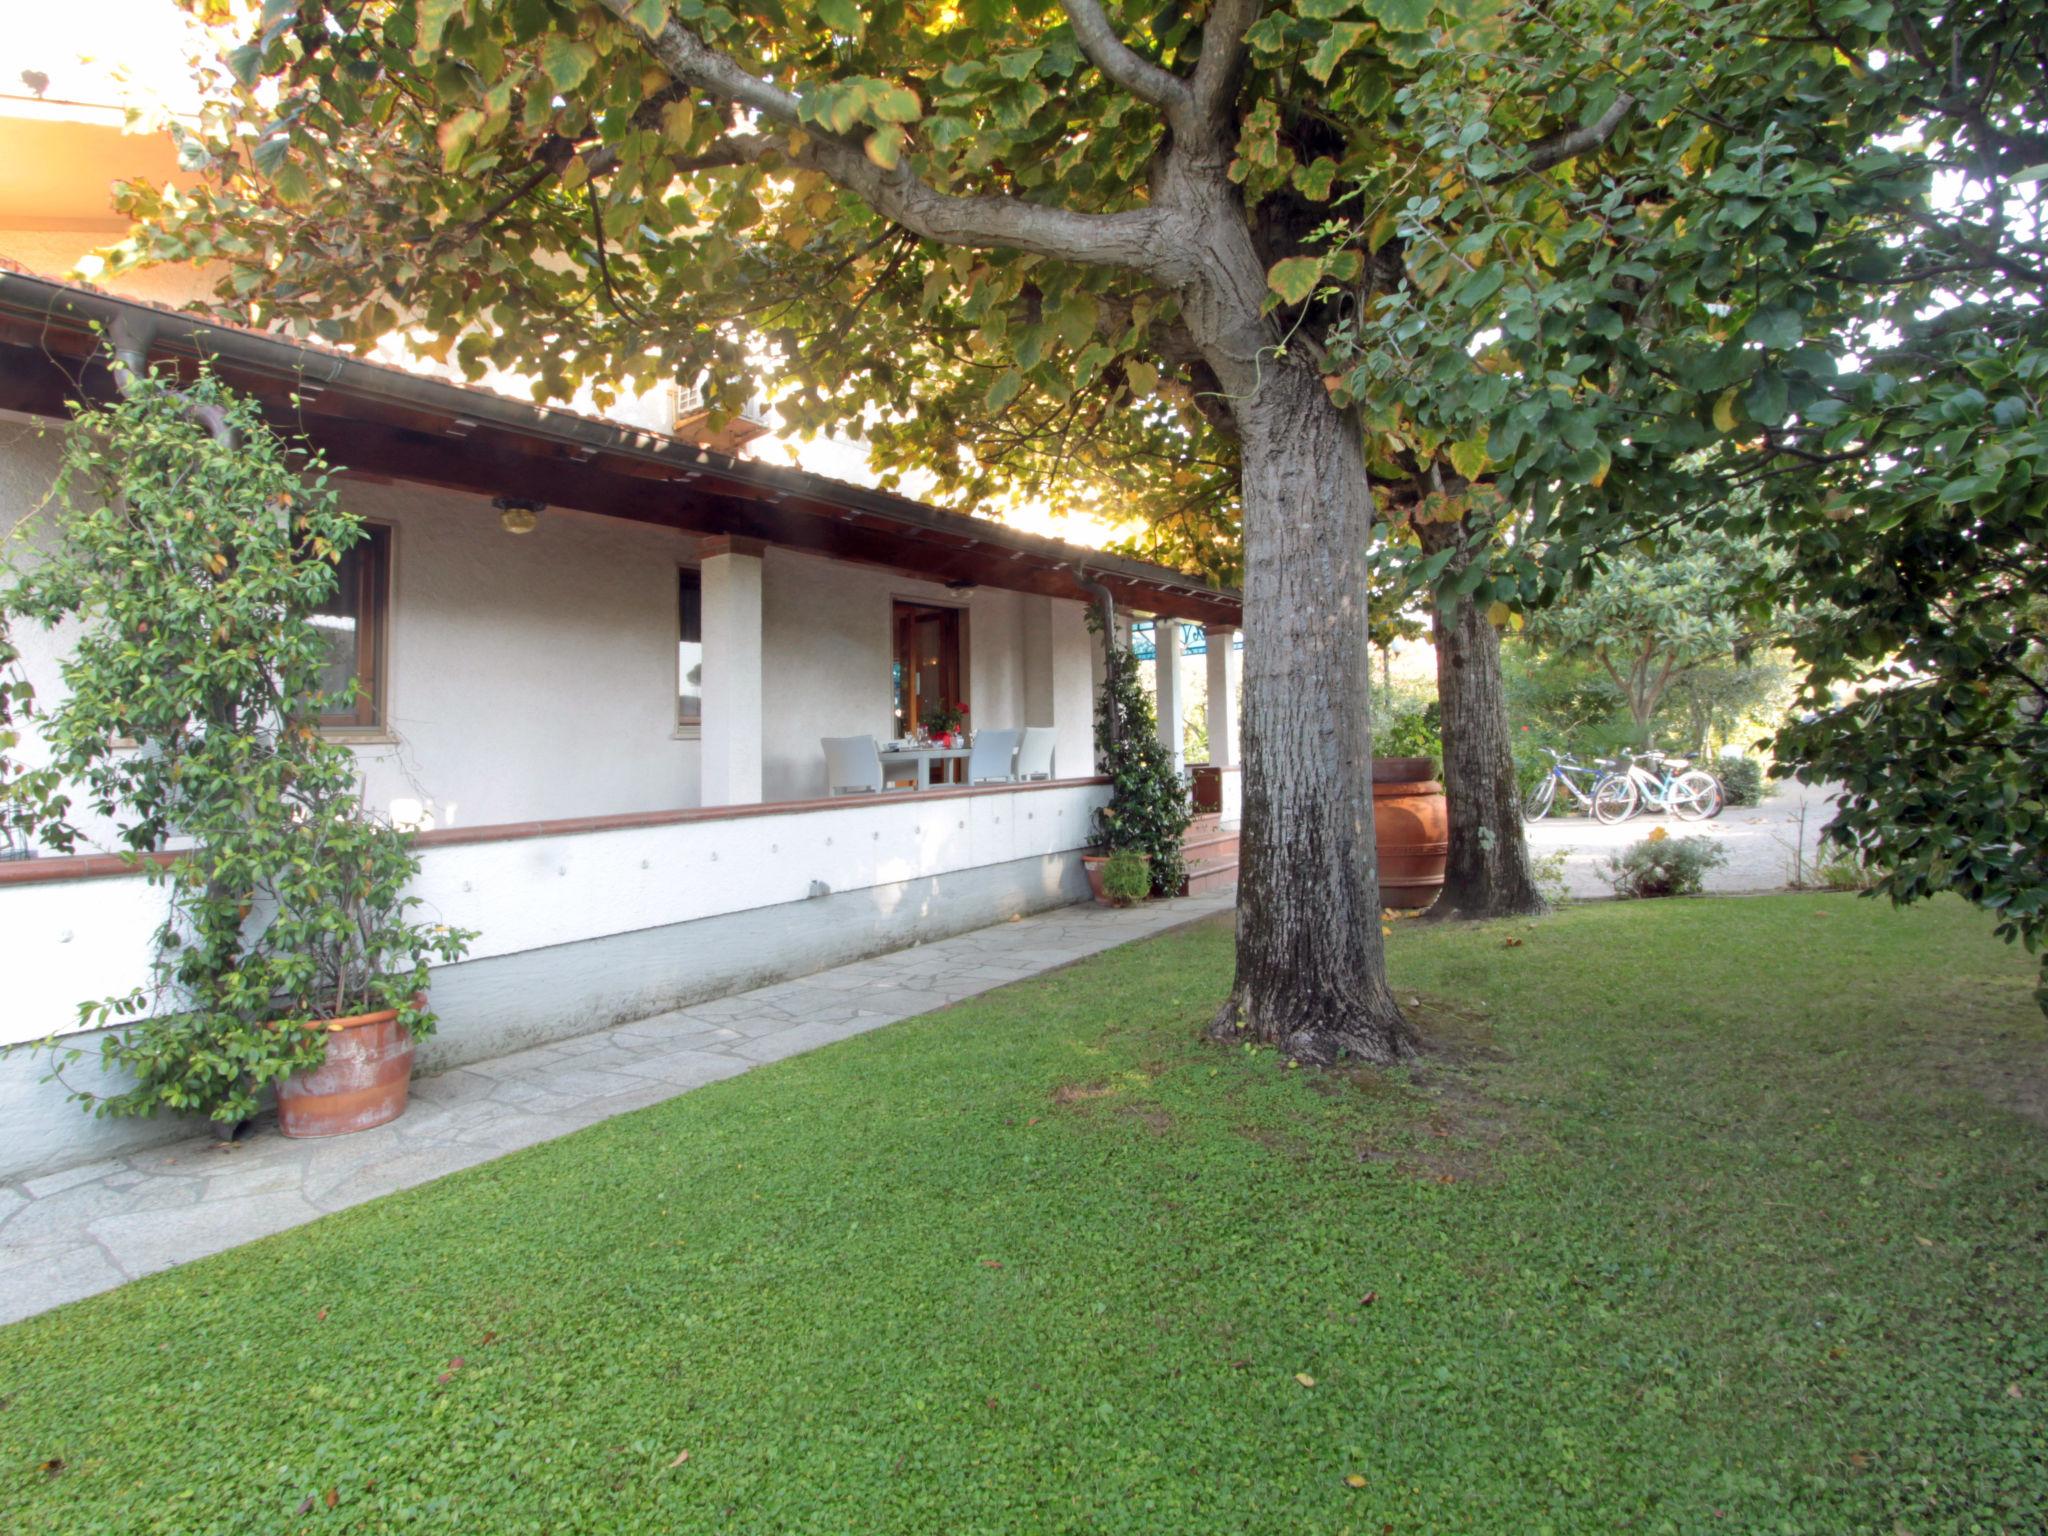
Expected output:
{"points": [[597, 667]]}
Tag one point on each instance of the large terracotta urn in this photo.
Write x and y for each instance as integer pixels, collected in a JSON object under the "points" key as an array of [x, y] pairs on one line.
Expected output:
{"points": [[365, 1080], [1412, 831]]}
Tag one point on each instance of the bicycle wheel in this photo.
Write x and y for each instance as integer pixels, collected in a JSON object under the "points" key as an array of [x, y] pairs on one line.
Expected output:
{"points": [[1615, 799], [1695, 795], [1540, 798]]}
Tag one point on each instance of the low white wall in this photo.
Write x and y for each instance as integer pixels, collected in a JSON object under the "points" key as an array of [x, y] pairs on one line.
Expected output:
{"points": [[65, 941]]}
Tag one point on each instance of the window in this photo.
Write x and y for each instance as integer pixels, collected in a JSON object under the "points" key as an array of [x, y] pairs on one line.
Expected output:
{"points": [[352, 626], [689, 648], [928, 670]]}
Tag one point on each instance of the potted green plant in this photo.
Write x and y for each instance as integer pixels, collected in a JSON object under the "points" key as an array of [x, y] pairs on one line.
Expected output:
{"points": [[191, 548], [344, 918], [1149, 808], [1124, 878]]}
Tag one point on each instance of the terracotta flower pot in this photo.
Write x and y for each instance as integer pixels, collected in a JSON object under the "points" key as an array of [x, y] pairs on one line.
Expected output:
{"points": [[365, 1080], [1093, 863], [1411, 830]]}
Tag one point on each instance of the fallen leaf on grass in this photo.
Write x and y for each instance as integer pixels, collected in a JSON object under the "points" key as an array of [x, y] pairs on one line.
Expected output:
{"points": [[1354, 1481], [333, 1497], [449, 1374], [52, 1467], [1368, 1298], [681, 1457], [322, 1317], [991, 1263], [1510, 943], [488, 1337], [2014, 1391], [306, 1505], [1304, 1378]]}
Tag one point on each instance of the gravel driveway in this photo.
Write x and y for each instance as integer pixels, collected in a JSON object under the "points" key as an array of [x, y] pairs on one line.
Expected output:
{"points": [[1760, 840]]}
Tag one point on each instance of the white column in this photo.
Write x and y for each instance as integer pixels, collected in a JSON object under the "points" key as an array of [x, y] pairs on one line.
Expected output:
{"points": [[1035, 632], [1226, 668], [1166, 656], [732, 670]]}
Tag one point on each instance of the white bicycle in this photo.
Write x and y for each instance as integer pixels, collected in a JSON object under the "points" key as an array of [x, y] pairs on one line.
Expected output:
{"points": [[1665, 784]]}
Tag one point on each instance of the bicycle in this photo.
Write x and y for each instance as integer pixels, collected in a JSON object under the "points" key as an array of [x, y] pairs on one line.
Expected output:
{"points": [[1689, 793], [1543, 793]]}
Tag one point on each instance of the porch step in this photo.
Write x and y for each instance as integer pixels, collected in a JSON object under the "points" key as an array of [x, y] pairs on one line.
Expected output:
{"points": [[1208, 853], [1208, 875]]}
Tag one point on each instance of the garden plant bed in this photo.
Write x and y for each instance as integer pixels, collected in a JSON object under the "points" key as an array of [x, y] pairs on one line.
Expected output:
{"points": [[1706, 1219]]}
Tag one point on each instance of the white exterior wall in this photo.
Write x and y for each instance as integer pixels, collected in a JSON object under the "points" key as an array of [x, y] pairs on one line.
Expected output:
{"points": [[533, 676], [829, 648]]}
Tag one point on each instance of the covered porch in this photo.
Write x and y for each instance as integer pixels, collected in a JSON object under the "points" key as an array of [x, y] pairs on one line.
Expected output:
{"points": [[598, 670], [558, 617]]}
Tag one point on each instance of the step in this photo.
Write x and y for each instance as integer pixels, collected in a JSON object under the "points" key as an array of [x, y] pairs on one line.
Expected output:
{"points": [[1218, 845], [1204, 825], [1209, 875]]}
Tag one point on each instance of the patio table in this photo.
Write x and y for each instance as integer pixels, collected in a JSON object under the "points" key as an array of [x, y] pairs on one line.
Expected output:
{"points": [[923, 759]]}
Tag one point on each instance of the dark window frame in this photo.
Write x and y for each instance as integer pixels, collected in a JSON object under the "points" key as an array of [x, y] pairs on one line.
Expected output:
{"points": [[373, 629], [689, 584]]}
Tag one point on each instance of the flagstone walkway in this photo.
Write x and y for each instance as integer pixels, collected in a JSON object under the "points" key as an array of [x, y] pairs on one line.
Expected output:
{"points": [[82, 1230]]}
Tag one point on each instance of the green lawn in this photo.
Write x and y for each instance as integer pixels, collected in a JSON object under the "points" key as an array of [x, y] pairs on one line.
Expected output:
{"points": [[1723, 1220]]}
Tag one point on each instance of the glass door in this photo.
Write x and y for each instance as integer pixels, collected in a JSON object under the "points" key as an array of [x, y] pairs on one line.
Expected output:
{"points": [[927, 672]]}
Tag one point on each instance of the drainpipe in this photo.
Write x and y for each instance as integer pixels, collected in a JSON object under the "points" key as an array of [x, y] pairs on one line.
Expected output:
{"points": [[1105, 608], [130, 336]]}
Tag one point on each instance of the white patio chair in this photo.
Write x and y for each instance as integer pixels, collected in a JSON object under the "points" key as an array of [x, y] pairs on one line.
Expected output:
{"points": [[853, 766], [992, 760], [1034, 755]]}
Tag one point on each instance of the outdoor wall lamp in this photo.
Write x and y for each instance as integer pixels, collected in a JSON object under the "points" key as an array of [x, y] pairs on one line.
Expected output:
{"points": [[517, 515]]}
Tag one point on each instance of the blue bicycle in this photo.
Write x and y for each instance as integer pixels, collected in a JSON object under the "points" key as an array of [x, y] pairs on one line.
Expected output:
{"points": [[1565, 774]]}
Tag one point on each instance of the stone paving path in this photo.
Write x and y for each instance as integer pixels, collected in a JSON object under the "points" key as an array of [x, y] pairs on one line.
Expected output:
{"points": [[82, 1230]]}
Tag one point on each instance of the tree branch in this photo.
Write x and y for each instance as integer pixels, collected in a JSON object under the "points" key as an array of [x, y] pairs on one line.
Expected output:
{"points": [[1556, 148], [1125, 67], [1134, 238], [1219, 73]]}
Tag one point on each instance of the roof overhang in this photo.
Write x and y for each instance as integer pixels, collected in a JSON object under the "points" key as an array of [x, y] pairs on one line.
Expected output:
{"points": [[374, 419]]}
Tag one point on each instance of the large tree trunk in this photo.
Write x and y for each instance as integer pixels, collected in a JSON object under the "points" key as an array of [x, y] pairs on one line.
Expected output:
{"points": [[1487, 872], [1311, 967]]}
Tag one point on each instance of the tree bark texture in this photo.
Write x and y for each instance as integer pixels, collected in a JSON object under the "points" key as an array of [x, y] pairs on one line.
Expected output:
{"points": [[1311, 968], [1487, 871]]}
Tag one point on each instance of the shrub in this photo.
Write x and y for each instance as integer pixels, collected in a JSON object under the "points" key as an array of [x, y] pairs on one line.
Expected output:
{"points": [[1661, 865], [1149, 807], [1836, 868], [1410, 731], [1548, 869], [1742, 780], [1127, 877], [191, 549]]}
